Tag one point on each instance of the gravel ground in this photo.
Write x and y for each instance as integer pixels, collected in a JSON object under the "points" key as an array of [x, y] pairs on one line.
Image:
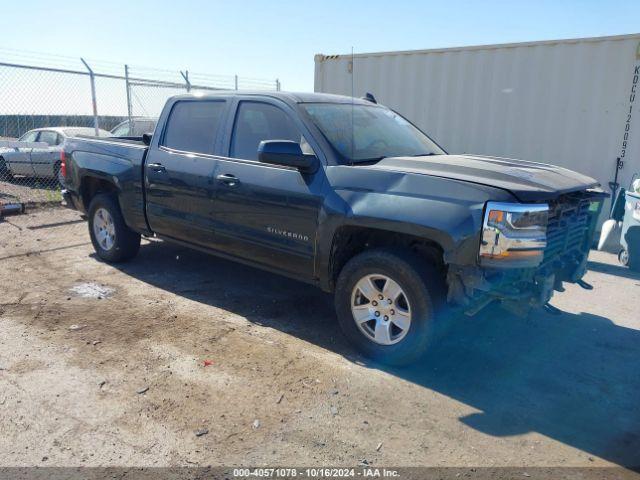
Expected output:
{"points": [[180, 359]]}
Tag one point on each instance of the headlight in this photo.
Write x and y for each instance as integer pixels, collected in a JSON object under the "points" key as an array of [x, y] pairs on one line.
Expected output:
{"points": [[514, 235]]}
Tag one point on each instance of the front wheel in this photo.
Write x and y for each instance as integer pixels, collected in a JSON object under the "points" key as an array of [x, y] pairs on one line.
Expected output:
{"points": [[112, 240], [623, 257], [387, 302], [626, 259]]}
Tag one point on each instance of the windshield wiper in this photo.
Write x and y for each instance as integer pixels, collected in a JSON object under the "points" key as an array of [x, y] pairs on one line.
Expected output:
{"points": [[382, 157], [367, 160]]}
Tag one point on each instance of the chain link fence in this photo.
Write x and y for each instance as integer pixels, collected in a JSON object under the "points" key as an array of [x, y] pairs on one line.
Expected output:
{"points": [[46, 99]]}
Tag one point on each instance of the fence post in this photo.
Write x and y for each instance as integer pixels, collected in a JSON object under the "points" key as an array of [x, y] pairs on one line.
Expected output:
{"points": [[92, 79], [236, 82], [185, 75], [126, 80], [277, 85]]}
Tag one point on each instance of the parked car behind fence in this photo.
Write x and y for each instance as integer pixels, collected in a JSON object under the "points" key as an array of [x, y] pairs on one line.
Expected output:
{"points": [[43, 161], [135, 127]]}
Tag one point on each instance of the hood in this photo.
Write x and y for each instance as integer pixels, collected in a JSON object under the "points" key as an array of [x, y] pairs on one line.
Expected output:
{"points": [[528, 181]]}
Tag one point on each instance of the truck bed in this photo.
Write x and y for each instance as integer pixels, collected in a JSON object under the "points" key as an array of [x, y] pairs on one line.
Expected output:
{"points": [[118, 161]]}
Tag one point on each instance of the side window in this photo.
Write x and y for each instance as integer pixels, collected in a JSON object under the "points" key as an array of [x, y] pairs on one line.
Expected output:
{"points": [[29, 137], [121, 131], [144, 126], [48, 137], [256, 122], [192, 126]]}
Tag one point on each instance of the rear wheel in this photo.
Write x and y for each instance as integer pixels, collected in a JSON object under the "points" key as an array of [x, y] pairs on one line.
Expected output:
{"points": [[387, 304], [5, 174], [112, 240]]}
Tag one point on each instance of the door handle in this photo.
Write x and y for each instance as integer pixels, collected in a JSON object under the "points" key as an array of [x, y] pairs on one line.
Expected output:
{"points": [[157, 167], [228, 179]]}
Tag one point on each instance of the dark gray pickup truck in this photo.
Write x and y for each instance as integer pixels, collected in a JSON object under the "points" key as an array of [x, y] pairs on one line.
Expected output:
{"points": [[345, 194]]}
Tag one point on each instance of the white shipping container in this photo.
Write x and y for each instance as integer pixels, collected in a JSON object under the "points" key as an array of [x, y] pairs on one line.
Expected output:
{"points": [[565, 102]]}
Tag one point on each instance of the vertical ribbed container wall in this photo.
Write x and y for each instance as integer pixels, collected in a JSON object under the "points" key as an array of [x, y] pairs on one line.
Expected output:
{"points": [[565, 102]]}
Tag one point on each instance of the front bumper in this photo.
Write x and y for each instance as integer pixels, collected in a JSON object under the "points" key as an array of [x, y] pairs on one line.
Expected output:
{"points": [[570, 230]]}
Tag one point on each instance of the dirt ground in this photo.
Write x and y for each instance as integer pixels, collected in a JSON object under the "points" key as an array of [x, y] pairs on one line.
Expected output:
{"points": [[105, 366], [29, 190]]}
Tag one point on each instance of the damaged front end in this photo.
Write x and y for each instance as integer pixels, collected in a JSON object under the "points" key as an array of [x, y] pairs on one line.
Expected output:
{"points": [[526, 252]]}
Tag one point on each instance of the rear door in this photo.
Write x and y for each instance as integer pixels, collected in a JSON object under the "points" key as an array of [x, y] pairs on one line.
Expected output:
{"points": [[19, 161], [44, 159], [179, 171], [265, 213]]}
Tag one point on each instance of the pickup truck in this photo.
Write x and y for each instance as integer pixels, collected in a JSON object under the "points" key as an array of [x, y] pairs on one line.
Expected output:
{"points": [[345, 194]]}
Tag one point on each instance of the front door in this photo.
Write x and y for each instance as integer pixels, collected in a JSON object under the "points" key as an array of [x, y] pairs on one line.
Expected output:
{"points": [[267, 213], [44, 159], [19, 161], [179, 171]]}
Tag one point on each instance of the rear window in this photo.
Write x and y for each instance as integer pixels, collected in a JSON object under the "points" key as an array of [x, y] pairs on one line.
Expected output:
{"points": [[192, 126]]}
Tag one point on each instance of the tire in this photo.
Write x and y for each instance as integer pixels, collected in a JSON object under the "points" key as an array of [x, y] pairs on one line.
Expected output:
{"points": [[623, 257], [5, 174], [120, 243], [632, 261], [422, 288]]}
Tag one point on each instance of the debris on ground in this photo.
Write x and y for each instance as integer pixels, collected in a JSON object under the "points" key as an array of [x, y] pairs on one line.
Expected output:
{"points": [[91, 290], [334, 410], [256, 424], [202, 431], [379, 447], [280, 398], [142, 390], [75, 327], [96, 342], [208, 363], [102, 383]]}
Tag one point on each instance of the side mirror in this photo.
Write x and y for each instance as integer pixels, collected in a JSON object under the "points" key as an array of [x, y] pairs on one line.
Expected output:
{"points": [[146, 138], [288, 153]]}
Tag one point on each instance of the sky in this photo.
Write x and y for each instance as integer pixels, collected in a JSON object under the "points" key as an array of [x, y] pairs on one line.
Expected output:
{"points": [[278, 39]]}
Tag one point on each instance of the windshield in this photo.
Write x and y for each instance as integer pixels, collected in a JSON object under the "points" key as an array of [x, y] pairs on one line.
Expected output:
{"points": [[365, 133]]}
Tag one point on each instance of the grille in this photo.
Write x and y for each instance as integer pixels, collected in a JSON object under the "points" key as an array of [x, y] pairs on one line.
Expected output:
{"points": [[570, 220]]}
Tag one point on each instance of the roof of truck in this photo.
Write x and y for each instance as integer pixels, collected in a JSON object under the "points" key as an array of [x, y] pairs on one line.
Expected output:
{"points": [[294, 97]]}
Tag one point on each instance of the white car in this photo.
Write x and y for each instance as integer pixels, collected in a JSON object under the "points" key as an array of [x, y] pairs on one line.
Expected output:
{"points": [[135, 127], [43, 161]]}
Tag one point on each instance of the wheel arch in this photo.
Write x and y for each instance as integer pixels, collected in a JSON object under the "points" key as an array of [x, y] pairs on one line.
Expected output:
{"points": [[91, 185], [349, 240]]}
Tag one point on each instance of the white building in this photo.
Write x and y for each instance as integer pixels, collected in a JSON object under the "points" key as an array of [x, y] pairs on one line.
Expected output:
{"points": [[564, 102]]}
